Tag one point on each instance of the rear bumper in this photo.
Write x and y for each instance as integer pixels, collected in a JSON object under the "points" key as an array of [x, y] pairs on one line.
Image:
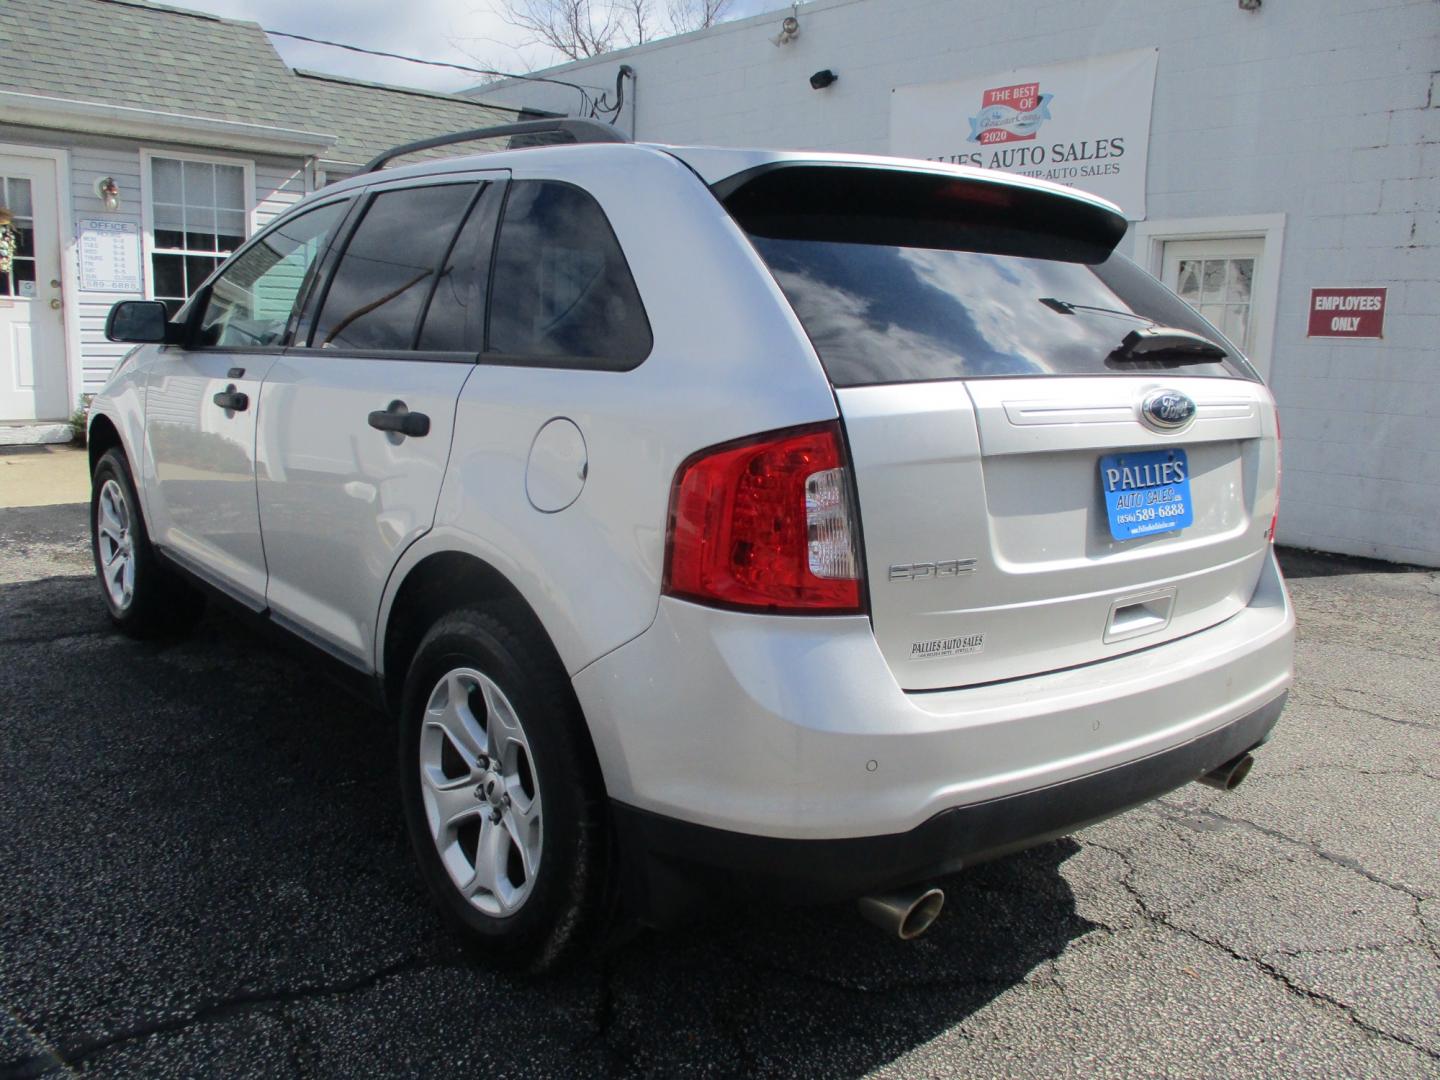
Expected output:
{"points": [[795, 728], [669, 864]]}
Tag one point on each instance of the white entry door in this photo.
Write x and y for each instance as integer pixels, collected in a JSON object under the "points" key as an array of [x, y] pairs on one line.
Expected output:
{"points": [[1218, 278], [32, 322]]}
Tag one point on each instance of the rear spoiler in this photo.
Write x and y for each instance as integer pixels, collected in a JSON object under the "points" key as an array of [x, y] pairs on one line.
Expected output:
{"points": [[900, 207]]}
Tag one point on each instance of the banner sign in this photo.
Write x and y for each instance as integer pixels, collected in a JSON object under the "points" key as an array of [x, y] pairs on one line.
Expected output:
{"points": [[1085, 124], [1356, 313]]}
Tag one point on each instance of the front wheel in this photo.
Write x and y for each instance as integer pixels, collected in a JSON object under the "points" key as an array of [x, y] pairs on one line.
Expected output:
{"points": [[501, 793], [143, 599]]}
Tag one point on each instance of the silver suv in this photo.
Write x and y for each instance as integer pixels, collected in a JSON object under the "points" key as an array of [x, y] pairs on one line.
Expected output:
{"points": [[714, 521]]}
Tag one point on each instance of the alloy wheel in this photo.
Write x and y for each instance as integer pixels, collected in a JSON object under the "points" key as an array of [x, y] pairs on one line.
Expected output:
{"points": [[481, 791], [116, 541]]}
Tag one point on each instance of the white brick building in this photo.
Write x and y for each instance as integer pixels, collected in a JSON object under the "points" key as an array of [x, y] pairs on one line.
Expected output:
{"points": [[1297, 144]]}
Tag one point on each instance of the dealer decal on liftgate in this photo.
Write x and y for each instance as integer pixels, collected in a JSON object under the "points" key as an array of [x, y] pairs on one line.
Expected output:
{"points": [[1146, 492]]}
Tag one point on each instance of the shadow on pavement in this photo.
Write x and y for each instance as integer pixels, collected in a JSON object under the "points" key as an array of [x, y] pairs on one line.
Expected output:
{"points": [[1300, 563], [205, 868]]}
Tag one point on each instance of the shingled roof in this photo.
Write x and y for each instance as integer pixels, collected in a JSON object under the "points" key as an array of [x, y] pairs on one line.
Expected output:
{"points": [[170, 60], [146, 56]]}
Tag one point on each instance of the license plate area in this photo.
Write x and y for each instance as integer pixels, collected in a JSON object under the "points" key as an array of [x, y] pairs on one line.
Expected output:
{"points": [[1146, 492]]}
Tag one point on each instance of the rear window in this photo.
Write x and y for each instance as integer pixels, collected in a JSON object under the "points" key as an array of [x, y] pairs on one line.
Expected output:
{"points": [[949, 280]]}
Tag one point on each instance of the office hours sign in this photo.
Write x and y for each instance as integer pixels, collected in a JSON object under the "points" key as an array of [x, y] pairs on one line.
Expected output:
{"points": [[1085, 124]]}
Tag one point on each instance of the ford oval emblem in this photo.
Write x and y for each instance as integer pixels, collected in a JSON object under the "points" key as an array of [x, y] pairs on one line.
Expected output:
{"points": [[1167, 410]]}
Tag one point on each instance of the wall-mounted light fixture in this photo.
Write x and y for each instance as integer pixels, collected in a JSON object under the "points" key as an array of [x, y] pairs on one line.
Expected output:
{"points": [[1250, 5], [108, 192], [789, 29], [821, 79]]}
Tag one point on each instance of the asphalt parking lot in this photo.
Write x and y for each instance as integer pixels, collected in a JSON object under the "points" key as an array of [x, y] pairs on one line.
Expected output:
{"points": [[203, 872]]}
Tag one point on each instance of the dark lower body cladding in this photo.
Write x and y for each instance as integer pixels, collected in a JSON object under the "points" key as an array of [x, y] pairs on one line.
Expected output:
{"points": [[672, 869]]}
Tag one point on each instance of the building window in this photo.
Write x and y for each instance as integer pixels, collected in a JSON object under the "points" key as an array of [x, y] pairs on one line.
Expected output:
{"points": [[198, 214]]}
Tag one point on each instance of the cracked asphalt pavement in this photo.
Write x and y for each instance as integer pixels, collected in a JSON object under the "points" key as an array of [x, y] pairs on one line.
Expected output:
{"points": [[203, 872]]}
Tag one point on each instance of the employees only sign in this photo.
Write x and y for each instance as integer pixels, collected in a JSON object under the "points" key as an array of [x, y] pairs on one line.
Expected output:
{"points": [[1085, 124], [1353, 313]]}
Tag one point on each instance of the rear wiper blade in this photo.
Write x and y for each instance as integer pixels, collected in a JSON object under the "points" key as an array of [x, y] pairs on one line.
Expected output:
{"points": [[1166, 343], [1065, 307]]}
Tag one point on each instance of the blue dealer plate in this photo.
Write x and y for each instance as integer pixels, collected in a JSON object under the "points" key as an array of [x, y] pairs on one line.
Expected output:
{"points": [[1146, 492]]}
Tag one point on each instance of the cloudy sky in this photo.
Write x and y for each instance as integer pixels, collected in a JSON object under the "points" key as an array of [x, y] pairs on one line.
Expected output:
{"points": [[469, 32]]}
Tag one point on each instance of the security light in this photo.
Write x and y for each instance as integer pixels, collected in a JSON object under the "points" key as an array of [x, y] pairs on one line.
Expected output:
{"points": [[821, 79]]}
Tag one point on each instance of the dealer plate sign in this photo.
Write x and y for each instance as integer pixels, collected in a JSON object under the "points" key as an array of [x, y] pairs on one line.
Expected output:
{"points": [[1146, 492]]}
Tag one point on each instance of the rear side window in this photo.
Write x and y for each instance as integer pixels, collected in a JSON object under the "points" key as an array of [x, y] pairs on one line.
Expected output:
{"points": [[562, 290], [389, 268], [931, 278], [455, 321]]}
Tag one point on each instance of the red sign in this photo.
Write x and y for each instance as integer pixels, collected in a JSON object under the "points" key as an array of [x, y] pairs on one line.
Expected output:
{"points": [[1008, 114], [1355, 313]]}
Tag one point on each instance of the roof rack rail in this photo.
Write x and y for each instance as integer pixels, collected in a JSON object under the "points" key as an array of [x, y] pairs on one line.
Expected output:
{"points": [[580, 131]]}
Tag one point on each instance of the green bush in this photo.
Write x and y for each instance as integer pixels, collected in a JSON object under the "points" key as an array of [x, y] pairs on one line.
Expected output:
{"points": [[80, 418]]}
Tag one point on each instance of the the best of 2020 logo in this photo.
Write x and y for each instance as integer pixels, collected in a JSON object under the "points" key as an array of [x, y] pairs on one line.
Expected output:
{"points": [[1010, 114]]}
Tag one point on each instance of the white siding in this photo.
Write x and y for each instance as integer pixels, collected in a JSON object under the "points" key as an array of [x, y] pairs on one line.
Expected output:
{"points": [[88, 164], [278, 186]]}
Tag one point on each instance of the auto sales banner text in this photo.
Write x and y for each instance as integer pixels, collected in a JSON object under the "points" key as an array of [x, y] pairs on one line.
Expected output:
{"points": [[1085, 124]]}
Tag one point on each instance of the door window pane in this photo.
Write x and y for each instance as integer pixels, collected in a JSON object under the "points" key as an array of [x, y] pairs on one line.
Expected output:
{"points": [[389, 267], [17, 196], [19, 279], [198, 212], [455, 321], [250, 304], [562, 286]]}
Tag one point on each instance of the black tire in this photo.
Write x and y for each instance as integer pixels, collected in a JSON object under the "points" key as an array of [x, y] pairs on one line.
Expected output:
{"points": [[564, 909], [159, 603]]}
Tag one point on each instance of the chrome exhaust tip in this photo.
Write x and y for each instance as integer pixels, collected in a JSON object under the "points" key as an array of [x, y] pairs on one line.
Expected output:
{"points": [[1230, 775], [906, 914]]}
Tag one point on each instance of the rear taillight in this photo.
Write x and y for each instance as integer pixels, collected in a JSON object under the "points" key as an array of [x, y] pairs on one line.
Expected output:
{"points": [[766, 523]]}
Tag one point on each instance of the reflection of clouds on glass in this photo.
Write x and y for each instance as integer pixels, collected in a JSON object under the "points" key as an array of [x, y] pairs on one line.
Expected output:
{"points": [[989, 294], [879, 313], [844, 332], [1000, 294]]}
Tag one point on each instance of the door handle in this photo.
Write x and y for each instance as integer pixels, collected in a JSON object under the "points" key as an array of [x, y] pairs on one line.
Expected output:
{"points": [[398, 418], [230, 398]]}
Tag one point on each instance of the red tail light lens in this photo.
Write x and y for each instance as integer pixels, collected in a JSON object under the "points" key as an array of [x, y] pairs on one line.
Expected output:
{"points": [[766, 523]]}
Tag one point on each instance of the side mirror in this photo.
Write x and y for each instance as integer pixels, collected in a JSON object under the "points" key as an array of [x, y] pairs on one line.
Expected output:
{"points": [[141, 322]]}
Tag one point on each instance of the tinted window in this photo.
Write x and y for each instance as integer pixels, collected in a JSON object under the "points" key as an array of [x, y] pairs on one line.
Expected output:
{"points": [[389, 267], [881, 314], [562, 287], [250, 303], [904, 275], [455, 321]]}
